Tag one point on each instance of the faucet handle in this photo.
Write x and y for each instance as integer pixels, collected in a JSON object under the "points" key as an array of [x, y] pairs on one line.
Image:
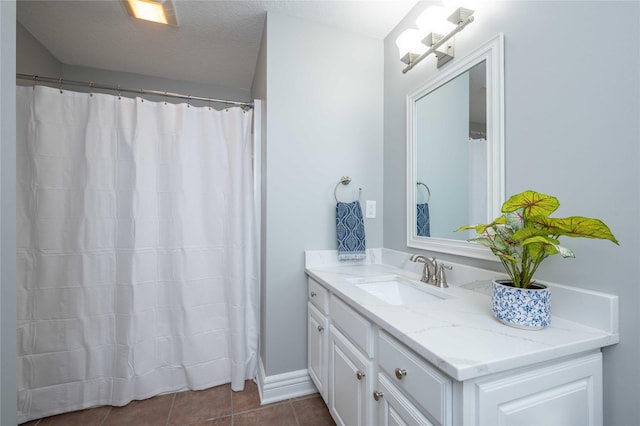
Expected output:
{"points": [[441, 280]]}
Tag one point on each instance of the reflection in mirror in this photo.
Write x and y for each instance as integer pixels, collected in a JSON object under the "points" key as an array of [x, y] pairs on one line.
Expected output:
{"points": [[451, 123], [455, 153]]}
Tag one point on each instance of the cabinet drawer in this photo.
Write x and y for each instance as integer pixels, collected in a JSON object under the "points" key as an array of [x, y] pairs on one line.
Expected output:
{"points": [[428, 387], [319, 296], [353, 325]]}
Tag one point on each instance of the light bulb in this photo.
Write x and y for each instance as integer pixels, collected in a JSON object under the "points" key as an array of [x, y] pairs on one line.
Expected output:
{"points": [[433, 20], [410, 41]]}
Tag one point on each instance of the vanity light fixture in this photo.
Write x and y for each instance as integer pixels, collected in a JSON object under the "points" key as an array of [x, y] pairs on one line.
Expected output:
{"points": [[414, 45], [160, 11]]}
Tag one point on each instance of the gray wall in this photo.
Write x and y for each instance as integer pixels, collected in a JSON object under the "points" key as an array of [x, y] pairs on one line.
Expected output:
{"points": [[572, 101], [32, 57], [324, 120], [8, 350]]}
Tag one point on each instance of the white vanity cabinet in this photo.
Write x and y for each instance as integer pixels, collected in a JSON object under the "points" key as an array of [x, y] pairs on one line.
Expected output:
{"points": [[368, 376]]}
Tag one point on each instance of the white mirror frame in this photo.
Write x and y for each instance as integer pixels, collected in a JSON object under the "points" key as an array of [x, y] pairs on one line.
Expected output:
{"points": [[493, 53]]}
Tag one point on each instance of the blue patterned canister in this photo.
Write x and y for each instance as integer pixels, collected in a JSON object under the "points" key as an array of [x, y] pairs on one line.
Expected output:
{"points": [[527, 308]]}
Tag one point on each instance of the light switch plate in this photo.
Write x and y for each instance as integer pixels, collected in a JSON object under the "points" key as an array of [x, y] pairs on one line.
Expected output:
{"points": [[371, 209]]}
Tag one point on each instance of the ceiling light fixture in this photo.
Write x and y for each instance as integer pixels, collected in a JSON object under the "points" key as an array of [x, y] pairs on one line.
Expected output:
{"points": [[416, 44], [161, 11]]}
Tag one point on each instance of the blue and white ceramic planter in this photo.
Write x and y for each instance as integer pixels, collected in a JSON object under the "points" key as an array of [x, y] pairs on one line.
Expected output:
{"points": [[527, 308]]}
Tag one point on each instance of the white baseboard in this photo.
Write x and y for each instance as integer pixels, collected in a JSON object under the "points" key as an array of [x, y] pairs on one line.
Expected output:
{"points": [[283, 386]]}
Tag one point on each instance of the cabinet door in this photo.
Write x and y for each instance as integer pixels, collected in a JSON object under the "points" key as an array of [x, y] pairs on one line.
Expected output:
{"points": [[349, 382], [566, 393], [317, 349], [393, 409]]}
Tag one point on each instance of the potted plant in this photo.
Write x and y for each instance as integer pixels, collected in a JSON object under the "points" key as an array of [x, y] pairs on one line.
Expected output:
{"points": [[522, 237]]}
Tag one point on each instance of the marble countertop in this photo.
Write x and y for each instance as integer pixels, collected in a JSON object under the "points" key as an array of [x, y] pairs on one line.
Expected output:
{"points": [[458, 333]]}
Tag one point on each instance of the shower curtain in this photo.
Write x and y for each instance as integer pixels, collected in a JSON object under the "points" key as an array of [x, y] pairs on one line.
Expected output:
{"points": [[136, 253]]}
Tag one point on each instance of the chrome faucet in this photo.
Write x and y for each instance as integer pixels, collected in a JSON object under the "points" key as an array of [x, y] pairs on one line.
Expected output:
{"points": [[433, 272], [429, 270]]}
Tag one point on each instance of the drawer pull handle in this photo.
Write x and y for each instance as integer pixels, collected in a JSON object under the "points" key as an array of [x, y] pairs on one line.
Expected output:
{"points": [[320, 328], [377, 395], [313, 294], [360, 374], [400, 373]]}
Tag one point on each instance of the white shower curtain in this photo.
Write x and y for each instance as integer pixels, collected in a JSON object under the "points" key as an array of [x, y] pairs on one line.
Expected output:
{"points": [[136, 257]]}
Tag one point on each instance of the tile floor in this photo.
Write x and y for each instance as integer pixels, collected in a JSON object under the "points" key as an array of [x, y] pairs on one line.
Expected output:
{"points": [[218, 406]]}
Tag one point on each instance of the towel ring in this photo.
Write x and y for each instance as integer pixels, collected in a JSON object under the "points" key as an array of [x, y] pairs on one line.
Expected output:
{"points": [[344, 180], [427, 188]]}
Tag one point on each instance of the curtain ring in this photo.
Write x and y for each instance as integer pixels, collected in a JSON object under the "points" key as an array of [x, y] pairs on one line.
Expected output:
{"points": [[209, 101], [165, 98], [119, 92], [91, 88], [141, 95], [188, 101], [60, 84]]}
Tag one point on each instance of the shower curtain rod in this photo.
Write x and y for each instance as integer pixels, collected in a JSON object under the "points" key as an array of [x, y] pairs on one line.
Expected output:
{"points": [[92, 85]]}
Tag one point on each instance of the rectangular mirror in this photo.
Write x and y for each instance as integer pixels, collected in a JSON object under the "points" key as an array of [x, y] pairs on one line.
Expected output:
{"points": [[455, 153]]}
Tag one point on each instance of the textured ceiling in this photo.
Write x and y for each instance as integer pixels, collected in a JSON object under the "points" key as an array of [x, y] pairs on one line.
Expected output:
{"points": [[216, 41]]}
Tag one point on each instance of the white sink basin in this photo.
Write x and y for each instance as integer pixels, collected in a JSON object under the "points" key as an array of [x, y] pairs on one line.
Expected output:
{"points": [[396, 291]]}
